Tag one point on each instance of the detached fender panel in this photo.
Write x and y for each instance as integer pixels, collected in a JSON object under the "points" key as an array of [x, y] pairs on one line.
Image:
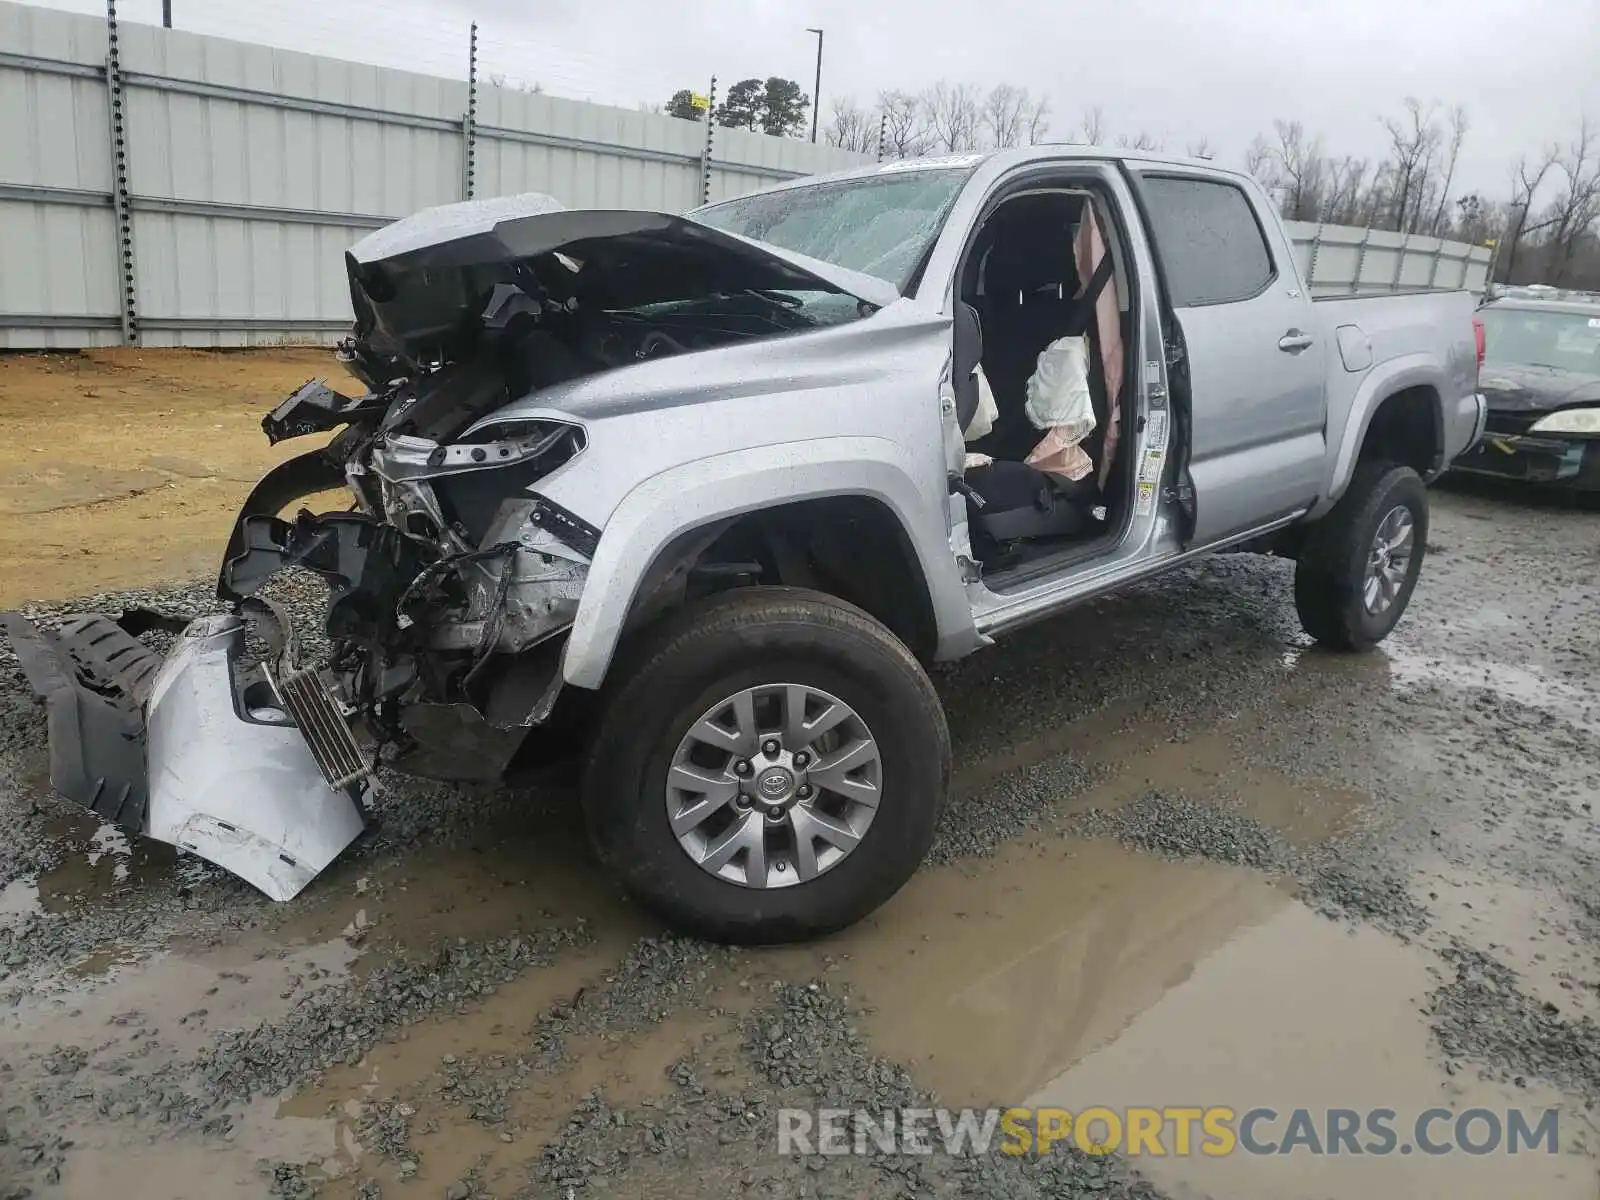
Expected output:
{"points": [[671, 503], [1387, 378]]}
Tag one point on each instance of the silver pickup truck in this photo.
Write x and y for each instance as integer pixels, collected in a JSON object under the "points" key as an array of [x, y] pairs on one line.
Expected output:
{"points": [[707, 493]]}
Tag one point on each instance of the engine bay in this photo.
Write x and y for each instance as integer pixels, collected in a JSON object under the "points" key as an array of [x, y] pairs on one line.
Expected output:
{"points": [[453, 580]]}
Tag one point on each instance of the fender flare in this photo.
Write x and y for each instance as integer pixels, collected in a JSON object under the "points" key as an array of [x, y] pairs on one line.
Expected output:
{"points": [[1396, 375], [665, 506]]}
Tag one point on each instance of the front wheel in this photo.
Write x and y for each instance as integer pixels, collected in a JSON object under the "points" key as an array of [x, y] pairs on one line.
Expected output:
{"points": [[1359, 563], [770, 767]]}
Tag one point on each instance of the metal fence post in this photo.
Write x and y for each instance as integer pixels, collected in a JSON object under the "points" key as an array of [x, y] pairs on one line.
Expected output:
{"points": [[1361, 259], [1311, 264], [883, 133], [1400, 262], [128, 280], [705, 152], [469, 123], [1433, 272]]}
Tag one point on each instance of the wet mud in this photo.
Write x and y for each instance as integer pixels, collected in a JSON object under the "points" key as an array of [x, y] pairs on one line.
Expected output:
{"points": [[1189, 860]]}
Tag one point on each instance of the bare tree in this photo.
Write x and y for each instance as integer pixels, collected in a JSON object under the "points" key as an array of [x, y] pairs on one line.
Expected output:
{"points": [[1475, 219], [1376, 204], [1578, 205], [531, 86], [1036, 120], [1526, 183], [1013, 116], [1300, 172], [1001, 113], [1458, 133], [1140, 141], [1201, 149], [905, 130], [850, 128], [1413, 140], [952, 115], [1346, 180], [1258, 161], [1093, 126], [1548, 230]]}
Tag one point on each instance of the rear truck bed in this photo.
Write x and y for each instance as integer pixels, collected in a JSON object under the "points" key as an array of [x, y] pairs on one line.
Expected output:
{"points": [[251, 767]]}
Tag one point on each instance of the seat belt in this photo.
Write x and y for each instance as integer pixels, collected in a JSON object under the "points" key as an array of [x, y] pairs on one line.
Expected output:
{"points": [[1083, 306]]}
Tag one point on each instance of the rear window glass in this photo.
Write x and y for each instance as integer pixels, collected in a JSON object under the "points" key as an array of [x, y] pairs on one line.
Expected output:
{"points": [[1209, 240], [1532, 337]]}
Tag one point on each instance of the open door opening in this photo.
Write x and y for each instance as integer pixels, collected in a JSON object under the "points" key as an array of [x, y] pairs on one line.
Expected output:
{"points": [[1041, 356]]}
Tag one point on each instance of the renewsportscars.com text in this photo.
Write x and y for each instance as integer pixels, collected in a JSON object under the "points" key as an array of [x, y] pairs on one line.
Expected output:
{"points": [[1176, 1131]]}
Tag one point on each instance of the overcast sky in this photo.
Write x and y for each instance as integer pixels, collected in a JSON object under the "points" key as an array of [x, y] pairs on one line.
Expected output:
{"points": [[1179, 69]]}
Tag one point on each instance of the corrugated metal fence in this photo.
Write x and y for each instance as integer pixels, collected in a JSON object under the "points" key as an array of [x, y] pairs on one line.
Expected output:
{"points": [[1338, 260], [236, 175], [175, 189]]}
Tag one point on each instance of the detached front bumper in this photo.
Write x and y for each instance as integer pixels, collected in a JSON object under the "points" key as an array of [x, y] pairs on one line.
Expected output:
{"points": [[196, 750], [1535, 458]]}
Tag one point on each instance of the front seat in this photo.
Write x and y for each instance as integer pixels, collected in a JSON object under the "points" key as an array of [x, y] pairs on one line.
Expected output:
{"points": [[1028, 279]]}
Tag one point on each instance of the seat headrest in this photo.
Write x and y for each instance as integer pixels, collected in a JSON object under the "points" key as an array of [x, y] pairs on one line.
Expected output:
{"points": [[1032, 251]]}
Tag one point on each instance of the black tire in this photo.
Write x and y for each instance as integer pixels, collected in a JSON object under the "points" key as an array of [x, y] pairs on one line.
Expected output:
{"points": [[710, 650], [1332, 565]]}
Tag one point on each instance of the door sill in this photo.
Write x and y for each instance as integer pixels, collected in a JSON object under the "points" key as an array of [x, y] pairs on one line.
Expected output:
{"points": [[1016, 578]]}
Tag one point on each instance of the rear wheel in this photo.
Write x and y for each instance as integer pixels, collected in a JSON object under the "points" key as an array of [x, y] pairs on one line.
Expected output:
{"points": [[770, 767], [1359, 564]]}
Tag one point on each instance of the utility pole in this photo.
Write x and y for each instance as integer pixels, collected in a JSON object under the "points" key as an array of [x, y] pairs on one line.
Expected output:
{"points": [[816, 91], [166, 14]]}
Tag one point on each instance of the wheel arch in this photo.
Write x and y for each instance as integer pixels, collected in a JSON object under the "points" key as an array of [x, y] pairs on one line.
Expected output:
{"points": [[664, 526], [1398, 410]]}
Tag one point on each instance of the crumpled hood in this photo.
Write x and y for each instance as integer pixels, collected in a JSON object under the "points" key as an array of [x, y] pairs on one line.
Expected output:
{"points": [[1508, 387], [532, 223], [419, 286]]}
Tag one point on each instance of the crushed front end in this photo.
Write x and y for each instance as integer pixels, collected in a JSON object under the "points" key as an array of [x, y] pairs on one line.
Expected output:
{"points": [[453, 577], [449, 584]]}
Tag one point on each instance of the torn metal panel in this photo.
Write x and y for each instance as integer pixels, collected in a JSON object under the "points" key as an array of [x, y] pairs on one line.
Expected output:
{"points": [[231, 778], [93, 675]]}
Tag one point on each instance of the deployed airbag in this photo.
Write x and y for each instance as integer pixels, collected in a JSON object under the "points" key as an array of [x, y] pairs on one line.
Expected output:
{"points": [[988, 411], [1060, 404]]}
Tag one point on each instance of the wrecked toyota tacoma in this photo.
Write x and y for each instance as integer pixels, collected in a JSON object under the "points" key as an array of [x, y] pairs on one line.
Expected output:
{"points": [[705, 494]]}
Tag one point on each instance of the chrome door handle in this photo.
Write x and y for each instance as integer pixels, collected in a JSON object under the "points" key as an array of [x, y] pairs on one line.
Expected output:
{"points": [[1294, 341]]}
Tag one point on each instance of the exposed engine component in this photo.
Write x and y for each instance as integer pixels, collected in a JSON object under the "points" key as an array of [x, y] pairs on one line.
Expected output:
{"points": [[453, 581]]}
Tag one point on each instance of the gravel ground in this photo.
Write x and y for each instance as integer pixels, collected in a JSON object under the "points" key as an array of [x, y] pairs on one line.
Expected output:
{"points": [[1336, 879], [806, 1051], [1439, 791], [1482, 1016]]}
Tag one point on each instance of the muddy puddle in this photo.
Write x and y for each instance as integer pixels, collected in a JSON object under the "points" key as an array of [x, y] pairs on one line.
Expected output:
{"points": [[1532, 929], [1063, 972], [1524, 684], [989, 979], [1298, 1012], [1057, 971]]}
